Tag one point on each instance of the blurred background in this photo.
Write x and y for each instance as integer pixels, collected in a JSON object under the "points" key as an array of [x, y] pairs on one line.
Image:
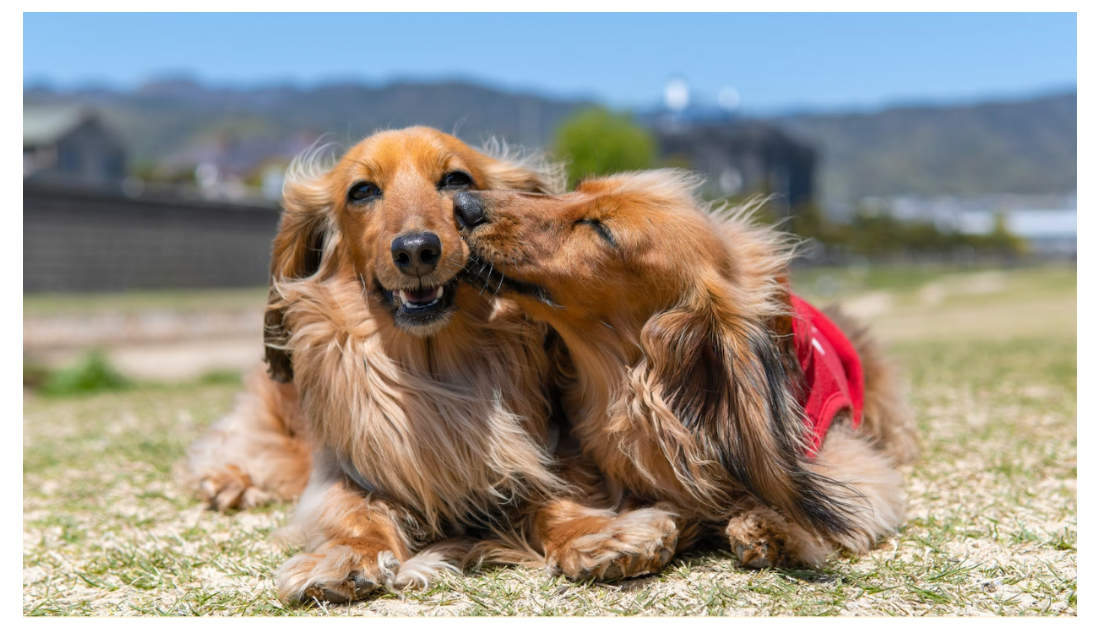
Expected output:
{"points": [[923, 158]]}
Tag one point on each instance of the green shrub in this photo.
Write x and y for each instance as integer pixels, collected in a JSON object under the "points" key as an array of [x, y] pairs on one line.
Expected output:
{"points": [[93, 373], [598, 142]]}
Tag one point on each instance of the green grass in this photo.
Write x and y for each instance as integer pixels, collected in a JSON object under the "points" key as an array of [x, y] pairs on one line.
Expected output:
{"points": [[178, 300], [992, 529], [858, 278], [89, 375]]}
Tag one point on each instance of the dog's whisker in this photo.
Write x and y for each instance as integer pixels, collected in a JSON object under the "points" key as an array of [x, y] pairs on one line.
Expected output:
{"points": [[499, 285]]}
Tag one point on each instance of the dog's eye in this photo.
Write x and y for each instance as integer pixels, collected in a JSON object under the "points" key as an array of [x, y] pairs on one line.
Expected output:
{"points": [[456, 179], [363, 191], [601, 229]]}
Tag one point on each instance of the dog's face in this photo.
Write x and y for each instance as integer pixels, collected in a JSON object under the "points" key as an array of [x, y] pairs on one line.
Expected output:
{"points": [[624, 246], [391, 197], [383, 213]]}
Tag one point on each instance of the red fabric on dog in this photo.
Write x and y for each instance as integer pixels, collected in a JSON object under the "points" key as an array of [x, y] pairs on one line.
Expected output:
{"points": [[833, 372]]}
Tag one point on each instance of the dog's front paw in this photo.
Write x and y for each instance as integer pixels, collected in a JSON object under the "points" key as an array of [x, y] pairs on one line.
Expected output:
{"points": [[628, 545], [756, 539], [341, 572], [761, 538], [229, 488]]}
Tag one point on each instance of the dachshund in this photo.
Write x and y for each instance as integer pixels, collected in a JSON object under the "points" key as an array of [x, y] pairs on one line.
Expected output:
{"points": [[413, 405], [692, 375], [411, 411], [259, 452]]}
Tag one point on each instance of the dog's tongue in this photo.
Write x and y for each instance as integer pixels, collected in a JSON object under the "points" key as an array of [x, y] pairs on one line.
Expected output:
{"points": [[418, 297], [421, 295]]}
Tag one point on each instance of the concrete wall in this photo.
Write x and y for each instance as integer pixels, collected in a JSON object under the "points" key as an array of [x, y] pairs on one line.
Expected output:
{"points": [[95, 241]]}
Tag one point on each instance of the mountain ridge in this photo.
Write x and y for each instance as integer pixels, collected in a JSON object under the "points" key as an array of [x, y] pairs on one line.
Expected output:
{"points": [[1004, 145]]}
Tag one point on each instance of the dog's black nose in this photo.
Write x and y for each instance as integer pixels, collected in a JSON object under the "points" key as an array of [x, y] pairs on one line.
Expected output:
{"points": [[416, 254], [468, 209]]}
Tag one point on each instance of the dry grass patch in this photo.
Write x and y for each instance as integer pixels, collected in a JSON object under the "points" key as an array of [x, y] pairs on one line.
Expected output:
{"points": [[109, 530]]}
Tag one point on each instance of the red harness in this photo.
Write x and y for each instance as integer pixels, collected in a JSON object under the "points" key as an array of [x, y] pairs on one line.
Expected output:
{"points": [[833, 373]]}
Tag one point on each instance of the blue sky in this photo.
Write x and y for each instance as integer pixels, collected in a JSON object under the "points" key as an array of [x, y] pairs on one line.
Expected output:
{"points": [[774, 61]]}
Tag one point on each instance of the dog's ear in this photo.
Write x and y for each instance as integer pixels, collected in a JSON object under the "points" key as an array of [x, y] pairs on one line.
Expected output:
{"points": [[724, 376], [297, 252], [506, 169]]}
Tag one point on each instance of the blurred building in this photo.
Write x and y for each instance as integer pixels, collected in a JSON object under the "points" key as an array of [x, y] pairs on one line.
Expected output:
{"points": [[738, 156], [742, 157], [68, 145], [236, 168], [87, 227], [1048, 223]]}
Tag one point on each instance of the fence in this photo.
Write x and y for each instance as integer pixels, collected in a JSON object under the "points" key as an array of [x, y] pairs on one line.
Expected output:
{"points": [[84, 240]]}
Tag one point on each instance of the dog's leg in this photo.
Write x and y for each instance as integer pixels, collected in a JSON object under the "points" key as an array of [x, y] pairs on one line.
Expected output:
{"points": [[353, 544], [761, 537], [594, 535], [256, 453], [583, 542]]}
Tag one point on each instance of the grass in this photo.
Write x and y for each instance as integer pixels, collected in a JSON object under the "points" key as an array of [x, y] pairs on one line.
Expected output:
{"points": [[992, 529], [178, 300], [91, 374]]}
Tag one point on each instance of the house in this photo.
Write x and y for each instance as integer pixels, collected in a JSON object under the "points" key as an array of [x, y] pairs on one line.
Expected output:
{"points": [[67, 145], [232, 167], [742, 157]]}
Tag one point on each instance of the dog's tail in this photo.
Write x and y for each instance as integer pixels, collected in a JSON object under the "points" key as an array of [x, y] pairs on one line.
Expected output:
{"points": [[724, 378]]}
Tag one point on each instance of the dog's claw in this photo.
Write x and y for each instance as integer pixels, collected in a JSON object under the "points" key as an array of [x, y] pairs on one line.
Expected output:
{"points": [[363, 585], [613, 572], [323, 593]]}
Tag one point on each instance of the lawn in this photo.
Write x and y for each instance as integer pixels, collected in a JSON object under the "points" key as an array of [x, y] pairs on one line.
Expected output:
{"points": [[991, 356]]}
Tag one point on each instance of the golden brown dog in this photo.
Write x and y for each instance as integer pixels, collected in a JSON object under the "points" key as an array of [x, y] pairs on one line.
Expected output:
{"points": [[423, 402], [259, 452], [423, 399], [684, 384]]}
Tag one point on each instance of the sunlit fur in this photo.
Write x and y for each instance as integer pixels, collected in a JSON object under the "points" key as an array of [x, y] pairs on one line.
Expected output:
{"points": [[683, 382], [413, 436], [255, 454], [451, 428]]}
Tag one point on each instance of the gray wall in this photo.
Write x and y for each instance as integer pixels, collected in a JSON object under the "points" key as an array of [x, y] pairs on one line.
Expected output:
{"points": [[95, 241]]}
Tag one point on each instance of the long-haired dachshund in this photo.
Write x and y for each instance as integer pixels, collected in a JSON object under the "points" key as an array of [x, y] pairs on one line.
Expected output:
{"points": [[260, 452], [415, 405], [694, 376]]}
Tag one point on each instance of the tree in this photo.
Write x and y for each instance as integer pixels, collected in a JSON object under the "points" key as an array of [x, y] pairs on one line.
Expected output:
{"points": [[598, 142]]}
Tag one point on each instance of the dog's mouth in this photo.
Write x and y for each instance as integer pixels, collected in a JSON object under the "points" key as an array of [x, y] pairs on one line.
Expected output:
{"points": [[483, 275], [421, 309]]}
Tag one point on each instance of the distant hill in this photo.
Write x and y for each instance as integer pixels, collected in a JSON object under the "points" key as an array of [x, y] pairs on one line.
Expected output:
{"points": [[1025, 146], [166, 117]]}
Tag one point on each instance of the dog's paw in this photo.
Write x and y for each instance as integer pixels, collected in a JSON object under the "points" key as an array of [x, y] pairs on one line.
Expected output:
{"points": [[629, 545], [230, 488], [755, 538], [343, 571], [761, 538]]}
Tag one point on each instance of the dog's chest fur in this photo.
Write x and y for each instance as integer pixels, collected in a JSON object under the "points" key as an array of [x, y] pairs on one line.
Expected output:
{"points": [[452, 426]]}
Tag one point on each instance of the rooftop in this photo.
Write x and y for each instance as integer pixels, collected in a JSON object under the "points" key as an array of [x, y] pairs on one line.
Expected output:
{"points": [[45, 124]]}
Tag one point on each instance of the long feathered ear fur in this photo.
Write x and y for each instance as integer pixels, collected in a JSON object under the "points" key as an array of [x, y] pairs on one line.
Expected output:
{"points": [[298, 250], [725, 377]]}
